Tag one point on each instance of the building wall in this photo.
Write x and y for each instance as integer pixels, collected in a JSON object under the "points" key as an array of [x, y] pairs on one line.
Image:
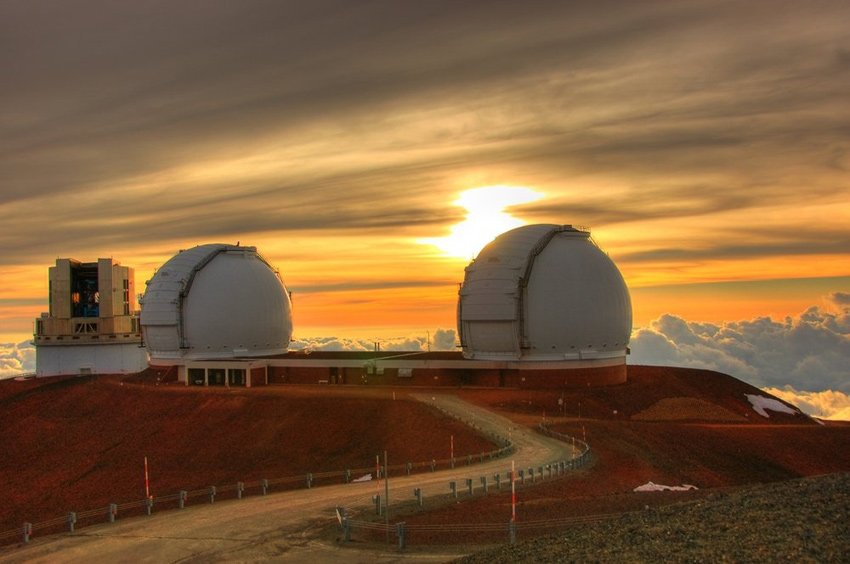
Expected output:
{"points": [[126, 358], [453, 377], [257, 376], [299, 374]]}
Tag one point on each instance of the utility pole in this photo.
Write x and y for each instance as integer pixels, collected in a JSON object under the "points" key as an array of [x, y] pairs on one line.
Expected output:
{"points": [[147, 481], [387, 494]]}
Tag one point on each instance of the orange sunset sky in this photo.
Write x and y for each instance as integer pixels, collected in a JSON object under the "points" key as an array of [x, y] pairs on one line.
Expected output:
{"points": [[704, 143]]}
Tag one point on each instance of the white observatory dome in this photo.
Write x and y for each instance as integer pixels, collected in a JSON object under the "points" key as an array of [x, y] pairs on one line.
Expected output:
{"points": [[544, 293], [216, 301]]}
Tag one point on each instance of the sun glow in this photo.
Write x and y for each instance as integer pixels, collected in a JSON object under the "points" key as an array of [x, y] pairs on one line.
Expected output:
{"points": [[485, 218]]}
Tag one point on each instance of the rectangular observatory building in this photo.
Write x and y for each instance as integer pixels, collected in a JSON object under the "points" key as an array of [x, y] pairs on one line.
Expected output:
{"points": [[92, 326]]}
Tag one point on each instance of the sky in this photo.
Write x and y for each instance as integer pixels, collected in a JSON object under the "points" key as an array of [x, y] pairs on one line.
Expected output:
{"points": [[706, 144]]}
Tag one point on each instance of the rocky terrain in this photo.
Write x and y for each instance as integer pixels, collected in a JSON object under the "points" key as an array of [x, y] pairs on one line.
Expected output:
{"points": [[804, 520]]}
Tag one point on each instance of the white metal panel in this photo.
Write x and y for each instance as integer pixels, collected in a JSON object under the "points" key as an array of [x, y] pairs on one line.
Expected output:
{"points": [[125, 358], [237, 306]]}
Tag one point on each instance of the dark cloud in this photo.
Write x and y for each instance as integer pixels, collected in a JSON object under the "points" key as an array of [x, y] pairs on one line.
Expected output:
{"points": [[371, 285], [841, 299], [208, 120], [824, 245]]}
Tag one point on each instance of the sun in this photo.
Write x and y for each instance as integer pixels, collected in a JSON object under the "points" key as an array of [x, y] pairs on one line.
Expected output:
{"points": [[485, 219]]}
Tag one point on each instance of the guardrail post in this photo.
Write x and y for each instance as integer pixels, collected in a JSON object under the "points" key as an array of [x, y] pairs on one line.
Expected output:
{"points": [[531, 474], [346, 529], [549, 470], [27, 531], [347, 476], [72, 520], [309, 480], [345, 526], [409, 468], [112, 512], [540, 472], [149, 505], [240, 488], [453, 489], [484, 484], [498, 478], [400, 532], [433, 465], [265, 485], [182, 496], [469, 485], [512, 532], [522, 477], [377, 500], [212, 494], [418, 493]]}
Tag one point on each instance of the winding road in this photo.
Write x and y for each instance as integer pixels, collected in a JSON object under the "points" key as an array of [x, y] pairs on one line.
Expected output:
{"points": [[285, 526]]}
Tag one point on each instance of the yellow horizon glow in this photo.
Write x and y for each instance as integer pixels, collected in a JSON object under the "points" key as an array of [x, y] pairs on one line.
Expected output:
{"points": [[486, 218]]}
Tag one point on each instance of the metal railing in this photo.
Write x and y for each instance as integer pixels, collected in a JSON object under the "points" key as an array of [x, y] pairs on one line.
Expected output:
{"points": [[109, 513], [466, 532]]}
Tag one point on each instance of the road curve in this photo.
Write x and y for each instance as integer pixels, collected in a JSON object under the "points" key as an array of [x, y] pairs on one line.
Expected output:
{"points": [[282, 526]]}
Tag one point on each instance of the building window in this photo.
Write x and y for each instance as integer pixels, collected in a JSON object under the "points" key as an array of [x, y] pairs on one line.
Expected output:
{"points": [[126, 297], [215, 376], [236, 376], [85, 294], [197, 376]]}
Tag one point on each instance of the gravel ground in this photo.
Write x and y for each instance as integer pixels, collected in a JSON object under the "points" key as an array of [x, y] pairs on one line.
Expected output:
{"points": [[806, 520]]}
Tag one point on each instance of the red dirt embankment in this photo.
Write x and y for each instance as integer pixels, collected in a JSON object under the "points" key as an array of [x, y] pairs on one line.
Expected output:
{"points": [[629, 452], [79, 443]]}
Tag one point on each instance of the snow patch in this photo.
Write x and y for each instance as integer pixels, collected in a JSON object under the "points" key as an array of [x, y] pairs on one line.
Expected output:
{"points": [[364, 478], [653, 487], [761, 404]]}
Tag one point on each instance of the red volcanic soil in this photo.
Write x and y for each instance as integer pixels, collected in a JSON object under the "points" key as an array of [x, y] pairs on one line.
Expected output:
{"points": [[628, 452], [79, 443]]}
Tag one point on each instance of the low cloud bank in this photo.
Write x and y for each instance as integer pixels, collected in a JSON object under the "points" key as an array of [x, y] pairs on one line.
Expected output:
{"points": [[828, 404], [16, 359], [441, 340], [809, 352]]}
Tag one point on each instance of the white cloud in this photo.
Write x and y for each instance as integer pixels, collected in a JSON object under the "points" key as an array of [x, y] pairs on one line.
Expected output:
{"points": [[828, 404], [810, 352], [441, 340], [16, 358]]}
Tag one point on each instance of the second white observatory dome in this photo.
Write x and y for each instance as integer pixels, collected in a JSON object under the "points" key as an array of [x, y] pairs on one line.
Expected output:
{"points": [[216, 301], [544, 293]]}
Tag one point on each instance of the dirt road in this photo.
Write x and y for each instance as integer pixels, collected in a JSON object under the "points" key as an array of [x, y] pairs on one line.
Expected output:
{"points": [[284, 526]]}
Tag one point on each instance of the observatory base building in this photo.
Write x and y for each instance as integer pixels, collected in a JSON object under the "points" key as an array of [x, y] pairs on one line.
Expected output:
{"points": [[540, 307], [92, 326]]}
